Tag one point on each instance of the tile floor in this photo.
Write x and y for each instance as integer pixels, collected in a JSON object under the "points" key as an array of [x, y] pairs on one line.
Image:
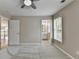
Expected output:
{"points": [[39, 52]]}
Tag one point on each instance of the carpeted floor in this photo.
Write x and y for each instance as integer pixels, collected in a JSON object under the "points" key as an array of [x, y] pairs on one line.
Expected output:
{"points": [[38, 51]]}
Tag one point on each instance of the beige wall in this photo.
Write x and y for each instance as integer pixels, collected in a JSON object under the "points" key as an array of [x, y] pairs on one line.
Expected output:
{"points": [[30, 28], [70, 16]]}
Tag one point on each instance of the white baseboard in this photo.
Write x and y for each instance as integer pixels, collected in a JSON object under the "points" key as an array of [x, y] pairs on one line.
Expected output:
{"points": [[64, 51]]}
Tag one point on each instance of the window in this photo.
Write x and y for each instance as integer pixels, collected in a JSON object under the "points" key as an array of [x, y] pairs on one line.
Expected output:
{"points": [[58, 29]]}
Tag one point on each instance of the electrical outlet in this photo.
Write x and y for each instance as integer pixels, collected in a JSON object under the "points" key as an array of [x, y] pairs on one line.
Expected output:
{"points": [[77, 52]]}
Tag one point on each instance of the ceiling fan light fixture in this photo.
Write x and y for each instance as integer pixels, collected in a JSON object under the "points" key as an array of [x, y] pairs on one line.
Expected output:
{"points": [[27, 2]]}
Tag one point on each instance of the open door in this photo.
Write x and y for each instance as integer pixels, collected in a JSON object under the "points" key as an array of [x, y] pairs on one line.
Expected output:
{"points": [[3, 32]]}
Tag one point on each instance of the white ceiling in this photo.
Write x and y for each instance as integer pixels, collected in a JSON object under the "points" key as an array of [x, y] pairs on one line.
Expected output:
{"points": [[44, 7]]}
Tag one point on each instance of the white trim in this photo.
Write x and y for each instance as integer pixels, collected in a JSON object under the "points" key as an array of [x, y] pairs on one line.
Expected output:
{"points": [[64, 51]]}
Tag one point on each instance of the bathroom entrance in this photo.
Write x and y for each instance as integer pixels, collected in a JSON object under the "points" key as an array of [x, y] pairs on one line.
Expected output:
{"points": [[46, 26]]}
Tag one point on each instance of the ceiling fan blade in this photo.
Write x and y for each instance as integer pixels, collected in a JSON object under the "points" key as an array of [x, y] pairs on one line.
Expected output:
{"points": [[22, 6], [33, 6], [63, 1]]}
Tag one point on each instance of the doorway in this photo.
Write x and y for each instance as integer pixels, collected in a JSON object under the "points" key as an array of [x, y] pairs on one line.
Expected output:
{"points": [[3, 32], [46, 26]]}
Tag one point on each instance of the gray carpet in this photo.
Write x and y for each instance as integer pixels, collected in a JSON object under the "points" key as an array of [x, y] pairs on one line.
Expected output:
{"points": [[39, 52]]}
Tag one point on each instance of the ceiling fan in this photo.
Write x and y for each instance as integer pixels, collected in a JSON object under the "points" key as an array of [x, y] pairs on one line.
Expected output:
{"points": [[29, 3], [62, 1]]}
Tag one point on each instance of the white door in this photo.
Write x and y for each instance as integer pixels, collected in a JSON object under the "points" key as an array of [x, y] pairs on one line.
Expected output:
{"points": [[14, 32]]}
